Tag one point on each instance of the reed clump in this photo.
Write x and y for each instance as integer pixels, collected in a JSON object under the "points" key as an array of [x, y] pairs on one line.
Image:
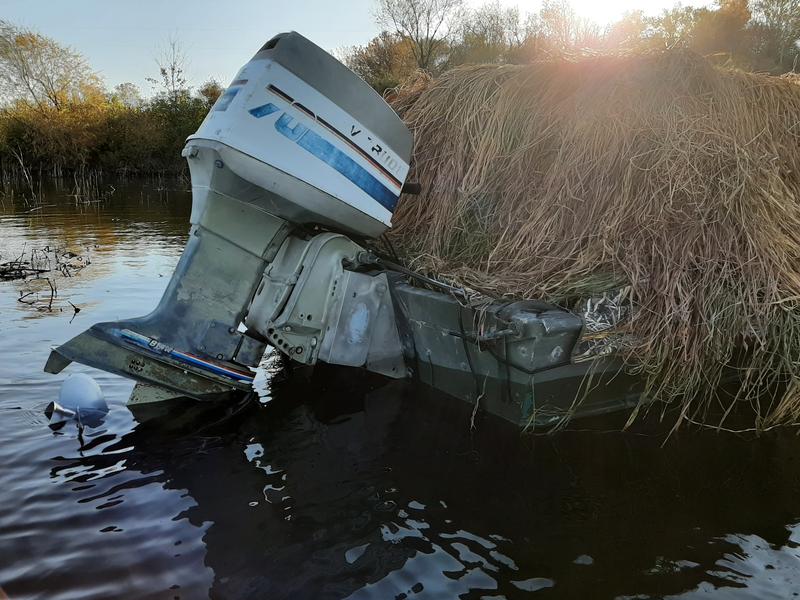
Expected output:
{"points": [[565, 179]]}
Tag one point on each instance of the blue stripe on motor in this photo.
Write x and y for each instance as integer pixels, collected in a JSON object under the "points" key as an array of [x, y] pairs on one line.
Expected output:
{"points": [[145, 342], [331, 155], [226, 98], [209, 367], [264, 110], [312, 142]]}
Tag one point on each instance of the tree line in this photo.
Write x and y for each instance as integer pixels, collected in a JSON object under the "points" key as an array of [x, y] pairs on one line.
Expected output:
{"points": [[435, 35], [57, 117]]}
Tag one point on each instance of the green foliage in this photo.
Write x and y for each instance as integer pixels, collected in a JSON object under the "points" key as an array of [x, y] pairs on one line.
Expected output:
{"points": [[58, 119], [106, 134], [384, 62], [210, 91], [489, 34], [775, 34]]}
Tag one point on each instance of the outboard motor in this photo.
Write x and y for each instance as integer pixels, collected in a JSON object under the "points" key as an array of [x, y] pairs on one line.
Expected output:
{"points": [[297, 158]]}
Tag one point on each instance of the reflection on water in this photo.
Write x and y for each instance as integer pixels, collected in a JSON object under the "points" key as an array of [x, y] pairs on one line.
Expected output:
{"points": [[340, 484]]}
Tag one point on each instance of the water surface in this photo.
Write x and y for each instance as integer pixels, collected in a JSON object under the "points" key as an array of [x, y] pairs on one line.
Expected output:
{"points": [[340, 484]]}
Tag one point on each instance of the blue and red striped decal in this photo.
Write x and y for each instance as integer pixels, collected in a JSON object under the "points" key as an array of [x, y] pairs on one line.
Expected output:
{"points": [[157, 347], [315, 144]]}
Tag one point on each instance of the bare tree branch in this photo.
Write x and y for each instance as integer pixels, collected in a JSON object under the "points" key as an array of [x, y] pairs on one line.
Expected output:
{"points": [[427, 24], [35, 68]]}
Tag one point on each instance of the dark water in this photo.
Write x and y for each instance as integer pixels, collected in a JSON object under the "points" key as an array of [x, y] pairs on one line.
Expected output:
{"points": [[342, 485]]}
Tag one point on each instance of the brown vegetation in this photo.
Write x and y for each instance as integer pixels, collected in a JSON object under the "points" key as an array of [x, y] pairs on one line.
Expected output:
{"points": [[565, 179]]}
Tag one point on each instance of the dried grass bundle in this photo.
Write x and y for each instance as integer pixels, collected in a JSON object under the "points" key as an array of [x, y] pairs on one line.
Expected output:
{"points": [[563, 179]]}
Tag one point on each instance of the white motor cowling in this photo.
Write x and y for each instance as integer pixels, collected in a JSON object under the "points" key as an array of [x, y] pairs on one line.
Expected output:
{"points": [[325, 146]]}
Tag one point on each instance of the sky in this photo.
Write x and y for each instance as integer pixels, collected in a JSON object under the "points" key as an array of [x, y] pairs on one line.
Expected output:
{"points": [[121, 39]]}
